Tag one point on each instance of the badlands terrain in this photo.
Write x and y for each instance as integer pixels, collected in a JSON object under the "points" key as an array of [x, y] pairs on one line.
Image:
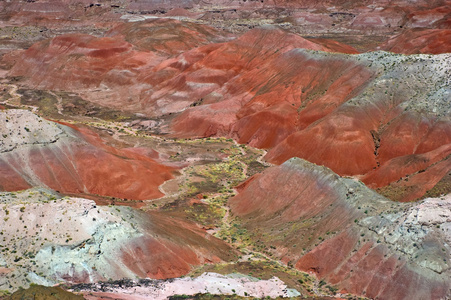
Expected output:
{"points": [[163, 149]]}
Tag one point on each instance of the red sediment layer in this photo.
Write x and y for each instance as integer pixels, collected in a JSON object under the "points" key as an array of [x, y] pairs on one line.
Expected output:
{"points": [[85, 165], [259, 89], [416, 41], [171, 248], [304, 203]]}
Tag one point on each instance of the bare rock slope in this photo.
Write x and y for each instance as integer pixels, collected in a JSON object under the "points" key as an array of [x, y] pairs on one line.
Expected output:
{"points": [[347, 234], [48, 240], [207, 283], [38, 152], [295, 78], [271, 89]]}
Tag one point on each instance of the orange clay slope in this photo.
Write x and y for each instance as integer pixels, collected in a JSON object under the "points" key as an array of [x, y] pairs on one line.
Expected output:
{"points": [[172, 248], [433, 41], [268, 88], [350, 113], [345, 233], [37, 152], [107, 70]]}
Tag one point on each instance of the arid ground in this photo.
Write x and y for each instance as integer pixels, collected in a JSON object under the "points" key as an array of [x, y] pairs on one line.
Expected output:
{"points": [[187, 149]]}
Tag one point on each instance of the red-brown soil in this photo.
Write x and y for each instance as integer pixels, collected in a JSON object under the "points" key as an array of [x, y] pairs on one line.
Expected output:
{"points": [[172, 249], [82, 164], [333, 228], [248, 91], [83, 62], [166, 36], [379, 117], [414, 41], [259, 89], [390, 277], [59, 15], [110, 70]]}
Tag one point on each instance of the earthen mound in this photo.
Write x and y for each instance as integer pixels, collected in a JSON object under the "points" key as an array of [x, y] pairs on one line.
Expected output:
{"points": [[268, 88], [416, 41], [347, 234], [80, 242], [37, 152]]}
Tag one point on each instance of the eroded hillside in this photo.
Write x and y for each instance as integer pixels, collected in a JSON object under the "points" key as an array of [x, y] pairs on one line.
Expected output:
{"points": [[259, 148]]}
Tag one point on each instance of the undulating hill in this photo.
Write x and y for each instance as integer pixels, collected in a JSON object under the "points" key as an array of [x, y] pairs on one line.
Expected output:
{"points": [[305, 145]]}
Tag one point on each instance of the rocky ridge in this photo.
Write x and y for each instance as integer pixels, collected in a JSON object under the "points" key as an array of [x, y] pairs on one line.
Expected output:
{"points": [[73, 240], [137, 80], [16, 129], [344, 228], [37, 152], [211, 283], [393, 106]]}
